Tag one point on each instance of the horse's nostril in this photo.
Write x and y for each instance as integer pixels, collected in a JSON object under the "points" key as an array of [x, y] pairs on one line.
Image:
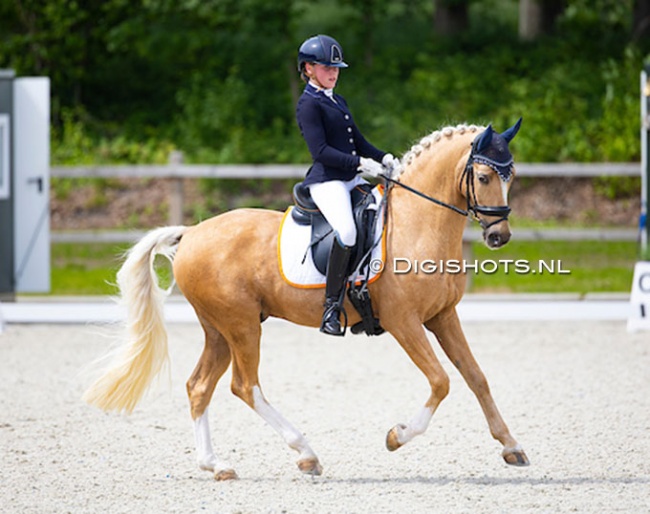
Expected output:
{"points": [[494, 239], [498, 238]]}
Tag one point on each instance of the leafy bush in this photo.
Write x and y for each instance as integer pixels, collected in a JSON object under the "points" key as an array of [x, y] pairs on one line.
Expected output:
{"points": [[73, 143], [228, 98]]}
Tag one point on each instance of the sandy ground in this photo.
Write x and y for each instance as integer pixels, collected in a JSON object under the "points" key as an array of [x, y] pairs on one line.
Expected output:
{"points": [[575, 394]]}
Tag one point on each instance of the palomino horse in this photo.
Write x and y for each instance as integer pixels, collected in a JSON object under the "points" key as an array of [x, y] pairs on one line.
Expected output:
{"points": [[227, 269]]}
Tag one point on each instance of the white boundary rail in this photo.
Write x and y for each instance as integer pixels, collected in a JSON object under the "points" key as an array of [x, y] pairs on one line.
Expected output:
{"points": [[177, 171], [277, 171], [470, 235]]}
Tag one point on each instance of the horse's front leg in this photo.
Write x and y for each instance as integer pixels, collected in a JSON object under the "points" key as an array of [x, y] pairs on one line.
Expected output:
{"points": [[413, 339], [449, 333]]}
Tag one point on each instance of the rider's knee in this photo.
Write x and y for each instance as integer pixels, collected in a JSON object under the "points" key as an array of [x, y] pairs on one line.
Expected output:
{"points": [[347, 236]]}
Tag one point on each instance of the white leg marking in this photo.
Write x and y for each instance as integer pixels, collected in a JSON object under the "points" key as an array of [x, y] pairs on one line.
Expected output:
{"points": [[417, 426], [204, 453], [289, 433]]}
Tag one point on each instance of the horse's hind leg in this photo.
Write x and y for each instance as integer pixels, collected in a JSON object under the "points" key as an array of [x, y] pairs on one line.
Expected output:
{"points": [[449, 333], [213, 363], [245, 347]]}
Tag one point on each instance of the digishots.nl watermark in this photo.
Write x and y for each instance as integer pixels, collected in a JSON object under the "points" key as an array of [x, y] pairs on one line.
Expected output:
{"points": [[402, 266]]}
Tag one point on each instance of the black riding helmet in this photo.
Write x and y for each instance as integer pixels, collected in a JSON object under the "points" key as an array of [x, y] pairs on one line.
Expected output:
{"points": [[321, 49]]}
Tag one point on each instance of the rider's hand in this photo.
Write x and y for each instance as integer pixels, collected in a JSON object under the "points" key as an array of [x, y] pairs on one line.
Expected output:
{"points": [[371, 167], [391, 163]]}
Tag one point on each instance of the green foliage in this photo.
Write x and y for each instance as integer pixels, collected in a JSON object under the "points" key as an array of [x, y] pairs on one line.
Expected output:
{"points": [[73, 144], [597, 18], [133, 80]]}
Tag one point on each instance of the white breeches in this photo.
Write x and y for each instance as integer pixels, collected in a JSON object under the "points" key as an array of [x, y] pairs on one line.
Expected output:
{"points": [[333, 200]]}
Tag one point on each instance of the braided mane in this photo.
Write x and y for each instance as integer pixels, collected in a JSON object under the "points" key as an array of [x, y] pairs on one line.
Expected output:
{"points": [[428, 141]]}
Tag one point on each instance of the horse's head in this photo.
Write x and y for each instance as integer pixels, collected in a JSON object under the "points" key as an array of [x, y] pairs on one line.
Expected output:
{"points": [[486, 180]]}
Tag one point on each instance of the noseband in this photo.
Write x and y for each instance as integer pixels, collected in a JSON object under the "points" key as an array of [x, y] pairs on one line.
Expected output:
{"points": [[473, 207]]}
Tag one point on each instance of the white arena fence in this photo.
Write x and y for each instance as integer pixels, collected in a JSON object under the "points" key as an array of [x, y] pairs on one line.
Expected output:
{"points": [[177, 171]]}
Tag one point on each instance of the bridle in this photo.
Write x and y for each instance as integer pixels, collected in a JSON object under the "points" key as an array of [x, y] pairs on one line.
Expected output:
{"points": [[500, 211], [473, 207]]}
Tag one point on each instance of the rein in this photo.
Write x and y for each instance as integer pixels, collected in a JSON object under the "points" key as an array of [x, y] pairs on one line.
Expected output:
{"points": [[501, 211], [462, 212]]}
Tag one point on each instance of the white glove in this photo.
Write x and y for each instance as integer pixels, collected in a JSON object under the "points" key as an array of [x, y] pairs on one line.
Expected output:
{"points": [[370, 167], [391, 163]]}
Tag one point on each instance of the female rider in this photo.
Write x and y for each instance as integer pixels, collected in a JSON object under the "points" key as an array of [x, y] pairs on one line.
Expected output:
{"points": [[339, 152]]}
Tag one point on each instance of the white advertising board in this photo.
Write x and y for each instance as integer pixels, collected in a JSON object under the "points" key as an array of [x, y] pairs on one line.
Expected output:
{"points": [[640, 298]]}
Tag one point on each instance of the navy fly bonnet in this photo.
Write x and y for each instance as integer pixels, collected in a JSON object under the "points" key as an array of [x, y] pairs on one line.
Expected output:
{"points": [[491, 149]]}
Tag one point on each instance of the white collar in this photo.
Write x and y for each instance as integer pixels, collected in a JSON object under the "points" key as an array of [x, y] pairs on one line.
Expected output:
{"points": [[327, 92]]}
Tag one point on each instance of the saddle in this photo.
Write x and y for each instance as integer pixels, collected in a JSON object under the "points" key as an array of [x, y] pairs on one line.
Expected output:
{"points": [[364, 211]]}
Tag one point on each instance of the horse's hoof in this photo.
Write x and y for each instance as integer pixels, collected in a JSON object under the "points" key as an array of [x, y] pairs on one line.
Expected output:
{"points": [[225, 474], [392, 438], [310, 467], [515, 456]]}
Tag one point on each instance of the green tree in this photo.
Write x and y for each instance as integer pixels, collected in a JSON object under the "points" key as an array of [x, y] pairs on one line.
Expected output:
{"points": [[218, 77]]}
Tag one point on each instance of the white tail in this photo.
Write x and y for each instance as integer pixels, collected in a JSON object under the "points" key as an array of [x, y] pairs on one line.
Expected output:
{"points": [[144, 353]]}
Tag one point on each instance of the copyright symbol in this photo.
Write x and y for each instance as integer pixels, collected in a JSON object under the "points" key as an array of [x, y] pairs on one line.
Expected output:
{"points": [[376, 265]]}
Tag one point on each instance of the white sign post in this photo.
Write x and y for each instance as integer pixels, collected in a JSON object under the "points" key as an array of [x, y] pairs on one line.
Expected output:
{"points": [[640, 299]]}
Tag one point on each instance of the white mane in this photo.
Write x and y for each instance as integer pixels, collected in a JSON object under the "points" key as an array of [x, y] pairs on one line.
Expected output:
{"points": [[427, 141]]}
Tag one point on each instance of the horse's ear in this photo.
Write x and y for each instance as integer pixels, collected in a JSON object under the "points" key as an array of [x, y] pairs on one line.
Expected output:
{"points": [[509, 134], [484, 139]]}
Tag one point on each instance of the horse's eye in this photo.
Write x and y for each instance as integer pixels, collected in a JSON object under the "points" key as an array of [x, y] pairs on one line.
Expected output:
{"points": [[483, 179]]}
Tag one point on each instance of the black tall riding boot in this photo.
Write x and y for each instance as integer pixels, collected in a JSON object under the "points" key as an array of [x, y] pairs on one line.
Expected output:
{"points": [[334, 288]]}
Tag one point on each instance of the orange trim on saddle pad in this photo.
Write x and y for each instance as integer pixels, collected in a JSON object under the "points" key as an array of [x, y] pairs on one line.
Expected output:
{"points": [[286, 218]]}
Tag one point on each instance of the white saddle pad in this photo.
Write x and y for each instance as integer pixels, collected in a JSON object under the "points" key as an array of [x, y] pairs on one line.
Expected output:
{"points": [[294, 255]]}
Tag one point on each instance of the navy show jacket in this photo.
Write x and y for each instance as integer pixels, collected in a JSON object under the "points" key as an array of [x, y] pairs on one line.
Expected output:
{"points": [[333, 139]]}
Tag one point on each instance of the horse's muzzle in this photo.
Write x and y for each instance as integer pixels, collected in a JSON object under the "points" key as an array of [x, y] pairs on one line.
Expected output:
{"points": [[497, 234]]}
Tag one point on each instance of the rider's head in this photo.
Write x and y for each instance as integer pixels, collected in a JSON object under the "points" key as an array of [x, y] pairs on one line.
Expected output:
{"points": [[321, 49]]}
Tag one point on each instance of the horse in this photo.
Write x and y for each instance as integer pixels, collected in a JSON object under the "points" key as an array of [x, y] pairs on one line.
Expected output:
{"points": [[227, 269]]}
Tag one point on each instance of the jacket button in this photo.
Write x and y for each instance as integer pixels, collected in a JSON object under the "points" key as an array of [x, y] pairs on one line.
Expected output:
{"points": [[351, 140], [347, 116], [349, 129], [354, 152]]}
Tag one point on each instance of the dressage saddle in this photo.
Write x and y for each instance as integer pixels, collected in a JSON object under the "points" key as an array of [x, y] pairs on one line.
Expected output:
{"points": [[364, 210]]}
